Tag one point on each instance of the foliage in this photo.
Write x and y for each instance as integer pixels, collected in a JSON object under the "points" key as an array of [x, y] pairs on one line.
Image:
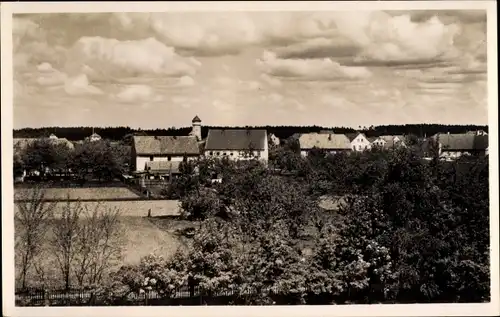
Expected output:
{"points": [[43, 155], [98, 159]]}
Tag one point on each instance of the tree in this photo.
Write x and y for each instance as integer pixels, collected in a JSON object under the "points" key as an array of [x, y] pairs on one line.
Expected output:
{"points": [[32, 217], [43, 155], [99, 245], [98, 159], [65, 237], [86, 244]]}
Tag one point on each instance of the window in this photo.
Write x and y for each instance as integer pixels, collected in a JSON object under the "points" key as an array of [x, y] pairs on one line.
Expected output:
{"points": [[211, 153], [359, 147], [223, 153], [169, 158], [218, 153], [151, 158]]}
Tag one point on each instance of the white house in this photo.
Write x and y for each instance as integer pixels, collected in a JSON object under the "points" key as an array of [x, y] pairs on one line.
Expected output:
{"points": [[359, 142], [237, 144], [274, 140], [389, 141], [331, 143]]}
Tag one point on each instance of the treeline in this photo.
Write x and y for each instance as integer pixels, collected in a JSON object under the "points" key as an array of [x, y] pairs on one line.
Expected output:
{"points": [[282, 132]]}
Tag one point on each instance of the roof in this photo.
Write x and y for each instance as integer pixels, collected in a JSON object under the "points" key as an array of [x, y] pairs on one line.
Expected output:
{"points": [[372, 138], [236, 139], [166, 145], [196, 119], [95, 135], [326, 132], [353, 135], [324, 141], [465, 141], [163, 166]]}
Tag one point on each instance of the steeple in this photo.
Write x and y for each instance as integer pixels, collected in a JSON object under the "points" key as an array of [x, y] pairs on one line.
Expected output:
{"points": [[196, 128]]}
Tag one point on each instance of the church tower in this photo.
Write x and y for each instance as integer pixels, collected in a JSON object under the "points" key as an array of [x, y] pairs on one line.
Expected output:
{"points": [[196, 131]]}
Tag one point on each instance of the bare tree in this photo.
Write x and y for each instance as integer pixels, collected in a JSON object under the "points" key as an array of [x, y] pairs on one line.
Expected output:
{"points": [[32, 217], [99, 244], [65, 237]]}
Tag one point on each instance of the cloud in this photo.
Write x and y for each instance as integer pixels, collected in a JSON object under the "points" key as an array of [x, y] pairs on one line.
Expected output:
{"points": [[137, 93], [309, 69], [185, 81], [44, 67], [114, 58], [79, 85], [271, 81], [399, 40]]}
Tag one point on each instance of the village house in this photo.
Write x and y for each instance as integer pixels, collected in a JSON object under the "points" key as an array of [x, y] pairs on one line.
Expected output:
{"points": [[237, 144], [389, 141], [358, 140], [453, 146], [274, 140], [160, 156], [332, 143]]}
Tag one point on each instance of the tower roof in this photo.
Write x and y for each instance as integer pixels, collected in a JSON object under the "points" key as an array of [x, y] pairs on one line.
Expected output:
{"points": [[196, 119]]}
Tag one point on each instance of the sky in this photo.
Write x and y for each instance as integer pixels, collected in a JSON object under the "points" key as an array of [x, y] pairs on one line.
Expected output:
{"points": [[329, 68]]}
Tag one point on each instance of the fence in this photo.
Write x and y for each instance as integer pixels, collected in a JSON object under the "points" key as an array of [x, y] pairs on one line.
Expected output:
{"points": [[184, 295]]}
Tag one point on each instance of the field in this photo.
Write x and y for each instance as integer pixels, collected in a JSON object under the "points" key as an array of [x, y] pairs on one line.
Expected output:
{"points": [[142, 236], [134, 208], [97, 193]]}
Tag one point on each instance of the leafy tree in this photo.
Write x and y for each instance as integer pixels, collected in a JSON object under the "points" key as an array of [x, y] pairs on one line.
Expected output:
{"points": [[44, 154], [98, 159]]}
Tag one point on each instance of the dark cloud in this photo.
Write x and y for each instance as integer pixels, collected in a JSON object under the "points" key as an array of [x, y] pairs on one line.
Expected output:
{"points": [[446, 16]]}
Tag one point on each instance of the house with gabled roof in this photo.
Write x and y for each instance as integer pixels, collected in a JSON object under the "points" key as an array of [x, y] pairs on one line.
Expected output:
{"points": [[453, 146], [331, 143], [237, 144], [147, 149], [389, 141], [358, 140]]}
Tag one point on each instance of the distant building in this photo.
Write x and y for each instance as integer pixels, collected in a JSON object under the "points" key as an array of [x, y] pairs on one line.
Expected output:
{"points": [[331, 143], [359, 142], [94, 137], [196, 128], [389, 141], [147, 149], [274, 140], [237, 144], [453, 146]]}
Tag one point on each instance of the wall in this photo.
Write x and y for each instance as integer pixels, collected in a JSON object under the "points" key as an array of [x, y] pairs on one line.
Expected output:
{"points": [[360, 141], [140, 161]]}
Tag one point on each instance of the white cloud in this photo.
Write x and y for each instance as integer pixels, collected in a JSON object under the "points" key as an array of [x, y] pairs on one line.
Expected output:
{"points": [[79, 85], [44, 67], [222, 105], [128, 58], [137, 93], [309, 69], [185, 81]]}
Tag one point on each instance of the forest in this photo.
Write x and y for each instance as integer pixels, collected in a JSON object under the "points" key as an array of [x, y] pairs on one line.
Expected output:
{"points": [[282, 132]]}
